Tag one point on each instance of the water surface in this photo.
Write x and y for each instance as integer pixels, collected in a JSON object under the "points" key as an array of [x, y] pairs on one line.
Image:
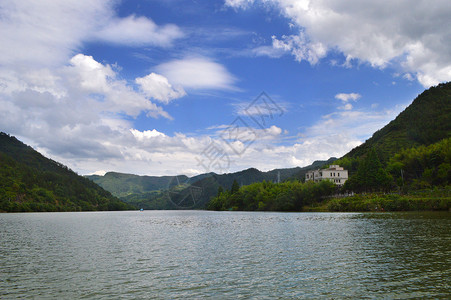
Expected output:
{"points": [[196, 254]]}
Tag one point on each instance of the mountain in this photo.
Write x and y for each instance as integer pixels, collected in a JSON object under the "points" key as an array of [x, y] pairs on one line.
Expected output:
{"points": [[181, 192], [426, 121], [409, 160], [121, 185], [31, 182]]}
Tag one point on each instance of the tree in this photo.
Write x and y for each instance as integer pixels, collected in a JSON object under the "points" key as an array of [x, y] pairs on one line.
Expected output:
{"points": [[235, 187], [220, 191], [370, 176]]}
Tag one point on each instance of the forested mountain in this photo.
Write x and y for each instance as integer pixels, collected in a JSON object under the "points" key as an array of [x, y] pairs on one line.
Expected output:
{"points": [[31, 182], [410, 158], [121, 185], [426, 121], [176, 192], [417, 178]]}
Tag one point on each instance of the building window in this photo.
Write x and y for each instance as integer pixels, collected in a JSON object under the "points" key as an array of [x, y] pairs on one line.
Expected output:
{"points": [[339, 174], [330, 174]]}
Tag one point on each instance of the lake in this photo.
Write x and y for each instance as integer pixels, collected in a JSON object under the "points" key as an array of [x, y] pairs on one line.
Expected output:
{"points": [[225, 255]]}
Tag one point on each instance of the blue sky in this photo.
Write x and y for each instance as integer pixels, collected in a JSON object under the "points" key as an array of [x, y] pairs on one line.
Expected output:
{"points": [[165, 87]]}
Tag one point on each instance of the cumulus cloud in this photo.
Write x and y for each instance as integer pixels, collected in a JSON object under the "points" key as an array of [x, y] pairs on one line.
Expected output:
{"points": [[78, 114], [158, 87], [100, 83], [413, 36], [197, 73], [146, 134]]}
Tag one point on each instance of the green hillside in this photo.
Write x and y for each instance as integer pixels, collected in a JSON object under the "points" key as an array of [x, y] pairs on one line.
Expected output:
{"points": [[406, 165], [181, 192], [32, 182], [426, 121], [122, 185]]}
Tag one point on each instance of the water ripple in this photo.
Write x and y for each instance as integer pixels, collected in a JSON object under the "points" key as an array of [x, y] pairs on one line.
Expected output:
{"points": [[194, 254]]}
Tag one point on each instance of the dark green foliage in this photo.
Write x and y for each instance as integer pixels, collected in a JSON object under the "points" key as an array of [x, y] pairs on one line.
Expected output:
{"points": [[348, 163], [172, 192], [437, 199], [370, 176], [235, 187], [123, 185], [268, 196], [426, 121], [423, 166], [31, 182]]}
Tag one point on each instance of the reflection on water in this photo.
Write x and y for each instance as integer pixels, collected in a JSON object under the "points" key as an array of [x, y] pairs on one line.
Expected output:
{"points": [[195, 254]]}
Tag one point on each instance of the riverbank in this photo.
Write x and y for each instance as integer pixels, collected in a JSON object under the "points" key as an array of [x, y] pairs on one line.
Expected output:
{"points": [[432, 201]]}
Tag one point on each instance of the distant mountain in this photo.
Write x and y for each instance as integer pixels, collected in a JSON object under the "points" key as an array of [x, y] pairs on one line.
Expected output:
{"points": [[122, 185], [180, 192], [32, 182], [426, 121]]}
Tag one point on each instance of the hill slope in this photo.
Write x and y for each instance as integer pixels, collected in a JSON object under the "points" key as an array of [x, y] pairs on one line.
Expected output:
{"points": [[32, 182], [176, 192], [122, 185], [426, 121]]}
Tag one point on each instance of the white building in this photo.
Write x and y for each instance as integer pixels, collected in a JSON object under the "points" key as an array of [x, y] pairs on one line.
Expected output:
{"points": [[334, 173]]}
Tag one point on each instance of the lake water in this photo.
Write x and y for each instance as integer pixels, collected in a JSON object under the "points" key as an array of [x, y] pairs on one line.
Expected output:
{"points": [[224, 255]]}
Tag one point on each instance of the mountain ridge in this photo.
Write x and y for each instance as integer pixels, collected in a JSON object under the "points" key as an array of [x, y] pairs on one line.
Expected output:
{"points": [[425, 121], [31, 182], [207, 182]]}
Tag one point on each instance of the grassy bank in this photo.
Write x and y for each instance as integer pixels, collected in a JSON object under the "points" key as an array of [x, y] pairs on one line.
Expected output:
{"points": [[434, 200]]}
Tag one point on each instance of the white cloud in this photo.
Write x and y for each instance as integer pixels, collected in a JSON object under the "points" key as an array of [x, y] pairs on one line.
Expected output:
{"points": [[347, 97], [46, 33], [269, 51], [92, 76], [197, 73], [300, 47], [138, 31], [408, 76], [146, 134], [416, 39], [239, 3], [77, 113], [100, 83], [347, 106], [158, 87]]}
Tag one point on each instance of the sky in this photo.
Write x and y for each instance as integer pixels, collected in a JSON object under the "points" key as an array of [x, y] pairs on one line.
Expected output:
{"points": [[167, 87]]}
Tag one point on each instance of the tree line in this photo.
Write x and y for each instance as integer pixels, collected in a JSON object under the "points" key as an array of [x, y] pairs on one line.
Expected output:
{"points": [[408, 171]]}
